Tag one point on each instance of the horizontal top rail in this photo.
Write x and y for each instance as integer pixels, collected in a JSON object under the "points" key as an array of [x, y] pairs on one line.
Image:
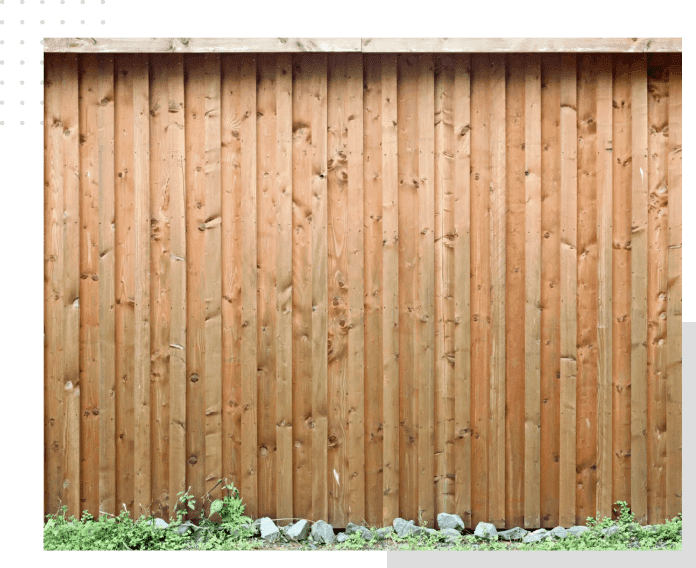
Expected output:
{"points": [[365, 45]]}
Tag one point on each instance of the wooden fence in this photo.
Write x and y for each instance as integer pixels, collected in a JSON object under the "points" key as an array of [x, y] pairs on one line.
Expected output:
{"points": [[361, 286]]}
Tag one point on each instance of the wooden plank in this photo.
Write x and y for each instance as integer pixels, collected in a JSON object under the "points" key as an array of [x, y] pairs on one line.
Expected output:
{"points": [[587, 259], [604, 285], [366, 45], [212, 291], [674, 294], [444, 285], [498, 207], [480, 284], [284, 477], [125, 285], [425, 310], [658, 243], [319, 281], [231, 179], [249, 337], [532, 319], [94, 455], [141, 229], [407, 83], [167, 291], [107, 323], [390, 297], [462, 288], [302, 131], [62, 277], [621, 281], [194, 108], [639, 277], [267, 219], [550, 102], [511, 45], [566, 505], [337, 268], [372, 180], [515, 289], [200, 45]]}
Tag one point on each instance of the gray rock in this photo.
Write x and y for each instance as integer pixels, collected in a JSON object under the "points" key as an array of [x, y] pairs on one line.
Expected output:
{"points": [[611, 531], [269, 530], [406, 528], [536, 536], [518, 533], [323, 533], [185, 527], [342, 537], [298, 531], [384, 533], [486, 531], [365, 533], [577, 530], [451, 536], [447, 521], [558, 532], [159, 523], [430, 531]]}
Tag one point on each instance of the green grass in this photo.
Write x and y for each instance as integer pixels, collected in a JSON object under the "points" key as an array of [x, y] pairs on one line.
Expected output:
{"points": [[227, 528]]}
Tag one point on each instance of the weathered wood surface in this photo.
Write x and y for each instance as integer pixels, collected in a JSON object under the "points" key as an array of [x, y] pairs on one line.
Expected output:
{"points": [[365, 45], [364, 286]]}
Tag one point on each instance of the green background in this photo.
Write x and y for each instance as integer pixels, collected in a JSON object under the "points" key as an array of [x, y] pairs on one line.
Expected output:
{"points": [[21, 181]]}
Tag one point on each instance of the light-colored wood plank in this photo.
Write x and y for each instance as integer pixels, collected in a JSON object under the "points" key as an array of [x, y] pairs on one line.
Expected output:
{"points": [[390, 296], [480, 284], [550, 289], [658, 242], [248, 349], [462, 288], [511, 45], [515, 289], [639, 278], [212, 291], [319, 245], [407, 83], [568, 189], [498, 207], [141, 226], [200, 45], [284, 477], [674, 294], [231, 179], [302, 131], [125, 284], [372, 180], [604, 285], [267, 219], [621, 281], [587, 260], [444, 296], [532, 272], [425, 310]]}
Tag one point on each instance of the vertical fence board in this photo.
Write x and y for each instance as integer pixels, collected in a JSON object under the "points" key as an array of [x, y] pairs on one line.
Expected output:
{"points": [[568, 340], [674, 293], [390, 296], [621, 281], [658, 242], [639, 277], [219, 305]]}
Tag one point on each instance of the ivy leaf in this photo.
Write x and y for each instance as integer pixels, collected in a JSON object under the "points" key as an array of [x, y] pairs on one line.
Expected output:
{"points": [[216, 506]]}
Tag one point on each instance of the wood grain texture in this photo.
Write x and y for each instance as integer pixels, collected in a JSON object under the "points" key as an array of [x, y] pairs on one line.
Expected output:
{"points": [[362, 286]]}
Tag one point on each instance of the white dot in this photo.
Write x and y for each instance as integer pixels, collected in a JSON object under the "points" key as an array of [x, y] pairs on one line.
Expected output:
{"points": [[2, 41], [41, 102], [103, 22], [2, 82], [41, 42], [21, 62], [42, 122], [21, 122], [62, 1], [21, 82], [21, 42], [2, 123], [82, 21], [21, 102], [42, 22], [2, 102], [2, 62], [41, 81], [41, 62], [21, 22], [2, 21], [62, 21], [82, 1]]}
